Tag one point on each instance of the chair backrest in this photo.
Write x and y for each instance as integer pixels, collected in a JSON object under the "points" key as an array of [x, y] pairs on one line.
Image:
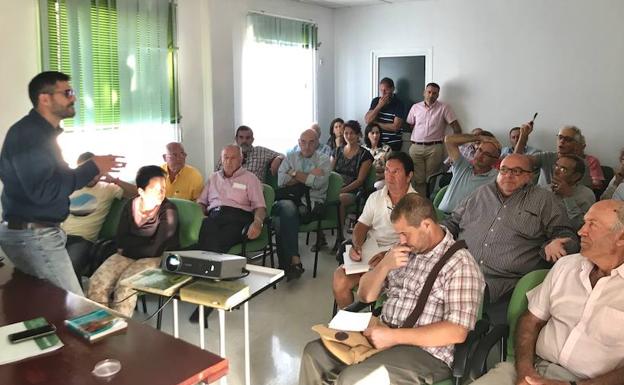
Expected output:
{"points": [[519, 304], [269, 197], [190, 217], [333, 187], [608, 173], [109, 227], [270, 179], [439, 196], [371, 178]]}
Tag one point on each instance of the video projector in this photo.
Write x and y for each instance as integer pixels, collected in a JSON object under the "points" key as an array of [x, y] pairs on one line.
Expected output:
{"points": [[204, 264]]}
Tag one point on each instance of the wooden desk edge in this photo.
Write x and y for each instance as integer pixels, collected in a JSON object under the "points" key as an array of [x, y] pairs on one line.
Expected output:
{"points": [[211, 374]]}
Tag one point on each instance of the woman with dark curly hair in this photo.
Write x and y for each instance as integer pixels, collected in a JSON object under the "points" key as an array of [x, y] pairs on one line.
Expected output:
{"points": [[336, 131]]}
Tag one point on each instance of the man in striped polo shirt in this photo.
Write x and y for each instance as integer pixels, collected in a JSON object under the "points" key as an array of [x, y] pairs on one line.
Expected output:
{"points": [[389, 112]]}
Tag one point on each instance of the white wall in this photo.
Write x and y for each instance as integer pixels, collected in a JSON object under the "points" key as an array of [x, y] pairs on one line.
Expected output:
{"points": [[498, 62], [211, 34], [19, 44]]}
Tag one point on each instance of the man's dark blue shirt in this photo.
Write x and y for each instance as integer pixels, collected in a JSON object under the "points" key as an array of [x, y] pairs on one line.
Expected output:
{"points": [[37, 181]]}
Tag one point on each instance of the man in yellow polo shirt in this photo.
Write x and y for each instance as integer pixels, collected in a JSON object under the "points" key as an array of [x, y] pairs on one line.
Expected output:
{"points": [[183, 181]]}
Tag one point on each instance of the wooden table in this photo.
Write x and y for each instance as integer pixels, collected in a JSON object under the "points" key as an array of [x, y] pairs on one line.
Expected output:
{"points": [[147, 356]]}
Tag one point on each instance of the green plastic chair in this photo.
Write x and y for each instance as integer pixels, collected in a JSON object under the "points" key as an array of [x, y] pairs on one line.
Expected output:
{"points": [[190, 217], [505, 334], [270, 179], [330, 219], [436, 202], [367, 188], [109, 227], [265, 239]]}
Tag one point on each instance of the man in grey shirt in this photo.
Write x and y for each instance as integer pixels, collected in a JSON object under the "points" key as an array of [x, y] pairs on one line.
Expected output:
{"points": [[566, 184], [511, 228]]}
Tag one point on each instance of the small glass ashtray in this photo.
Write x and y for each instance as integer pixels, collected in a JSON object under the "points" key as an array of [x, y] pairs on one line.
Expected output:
{"points": [[106, 368]]}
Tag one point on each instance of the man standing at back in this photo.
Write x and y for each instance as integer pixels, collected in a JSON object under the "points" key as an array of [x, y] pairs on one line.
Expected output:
{"points": [[429, 119], [388, 111], [38, 182], [182, 181]]}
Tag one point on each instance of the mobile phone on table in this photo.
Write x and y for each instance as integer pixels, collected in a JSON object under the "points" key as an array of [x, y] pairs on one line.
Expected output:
{"points": [[32, 333]]}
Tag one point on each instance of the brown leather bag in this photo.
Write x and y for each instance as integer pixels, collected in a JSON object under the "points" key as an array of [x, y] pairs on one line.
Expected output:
{"points": [[353, 347]]}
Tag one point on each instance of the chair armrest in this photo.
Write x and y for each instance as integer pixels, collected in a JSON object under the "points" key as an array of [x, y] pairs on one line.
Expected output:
{"points": [[479, 357], [358, 306], [463, 351]]}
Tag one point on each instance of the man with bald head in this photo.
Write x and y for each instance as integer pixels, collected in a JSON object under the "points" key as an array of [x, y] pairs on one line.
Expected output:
{"points": [[468, 176], [512, 227], [568, 143], [570, 333], [305, 166], [231, 200], [182, 181]]}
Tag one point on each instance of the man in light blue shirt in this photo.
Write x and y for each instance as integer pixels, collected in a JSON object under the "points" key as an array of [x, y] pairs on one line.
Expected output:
{"points": [[468, 176], [304, 166], [514, 134]]}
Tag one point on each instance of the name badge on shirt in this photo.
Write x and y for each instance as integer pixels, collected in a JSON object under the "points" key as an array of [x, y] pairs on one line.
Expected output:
{"points": [[239, 186]]}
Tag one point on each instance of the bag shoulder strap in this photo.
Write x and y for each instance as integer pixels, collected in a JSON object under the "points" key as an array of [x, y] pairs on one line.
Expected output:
{"points": [[410, 321]]}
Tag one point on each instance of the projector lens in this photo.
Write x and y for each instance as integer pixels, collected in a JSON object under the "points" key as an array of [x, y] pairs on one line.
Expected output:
{"points": [[172, 262]]}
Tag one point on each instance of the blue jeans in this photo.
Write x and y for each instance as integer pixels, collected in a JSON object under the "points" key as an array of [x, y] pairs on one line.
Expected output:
{"points": [[286, 223], [42, 253]]}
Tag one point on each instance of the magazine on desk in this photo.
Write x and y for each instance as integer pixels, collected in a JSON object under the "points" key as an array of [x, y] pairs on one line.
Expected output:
{"points": [[96, 324], [217, 294], [10, 352], [156, 281]]}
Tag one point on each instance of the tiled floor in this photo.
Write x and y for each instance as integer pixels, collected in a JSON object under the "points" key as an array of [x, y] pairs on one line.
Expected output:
{"points": [[280, 322]]}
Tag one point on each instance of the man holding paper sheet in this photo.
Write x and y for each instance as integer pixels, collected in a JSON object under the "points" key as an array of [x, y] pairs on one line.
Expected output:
{"points": [[419, 354], [373, 234]]}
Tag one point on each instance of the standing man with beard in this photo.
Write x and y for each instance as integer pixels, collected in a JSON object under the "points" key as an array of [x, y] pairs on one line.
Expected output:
{"points": [[38, 182], [182, 181], [256, 159]]}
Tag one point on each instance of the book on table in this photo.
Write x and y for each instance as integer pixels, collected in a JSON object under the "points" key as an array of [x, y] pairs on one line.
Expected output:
{"points": [[217, 294], [96, 324], [12, 352], [156, 281]]}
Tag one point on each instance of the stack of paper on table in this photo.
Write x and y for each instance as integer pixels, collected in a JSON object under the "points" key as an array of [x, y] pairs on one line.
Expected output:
{"points": [[370, 248], [15, 352]]}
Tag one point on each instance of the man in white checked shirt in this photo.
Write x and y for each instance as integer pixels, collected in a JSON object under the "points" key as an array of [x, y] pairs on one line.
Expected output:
{"points": [[424, 353]]}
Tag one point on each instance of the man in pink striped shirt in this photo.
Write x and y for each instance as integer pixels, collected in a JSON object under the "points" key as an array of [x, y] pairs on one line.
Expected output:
{"points": [[428, 120]]}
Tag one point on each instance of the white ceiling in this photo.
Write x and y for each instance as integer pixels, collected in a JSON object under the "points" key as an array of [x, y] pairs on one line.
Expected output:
{"points": [[350, 3]]}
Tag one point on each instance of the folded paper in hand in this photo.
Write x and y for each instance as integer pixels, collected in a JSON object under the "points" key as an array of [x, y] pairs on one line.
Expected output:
{"points": [[350, 321], [370, 248]]}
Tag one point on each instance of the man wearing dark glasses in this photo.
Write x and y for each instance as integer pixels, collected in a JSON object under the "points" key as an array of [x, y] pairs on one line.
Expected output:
{"points": [[38, 182]]}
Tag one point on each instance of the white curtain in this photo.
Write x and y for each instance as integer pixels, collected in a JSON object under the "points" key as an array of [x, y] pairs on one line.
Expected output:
{"points": [[278, 82]]}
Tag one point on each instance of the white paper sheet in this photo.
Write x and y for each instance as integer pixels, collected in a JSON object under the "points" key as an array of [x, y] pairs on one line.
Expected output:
{"points": [[369, 249], [350, 322]]}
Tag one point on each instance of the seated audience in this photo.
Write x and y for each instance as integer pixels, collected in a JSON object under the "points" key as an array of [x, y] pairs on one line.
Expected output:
{"points": [[576, 197], [256, 159], [422, 353], [514, 134], [568, 140], [147, 227], [615, 189], [511, 227], [352, 162], [336, 134], [388, 111], [467, 176], [87, 212], [595, 169], [183, 181], [570, 333], [231, 200], [379, 151], [375, 222], [311, 169]]}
